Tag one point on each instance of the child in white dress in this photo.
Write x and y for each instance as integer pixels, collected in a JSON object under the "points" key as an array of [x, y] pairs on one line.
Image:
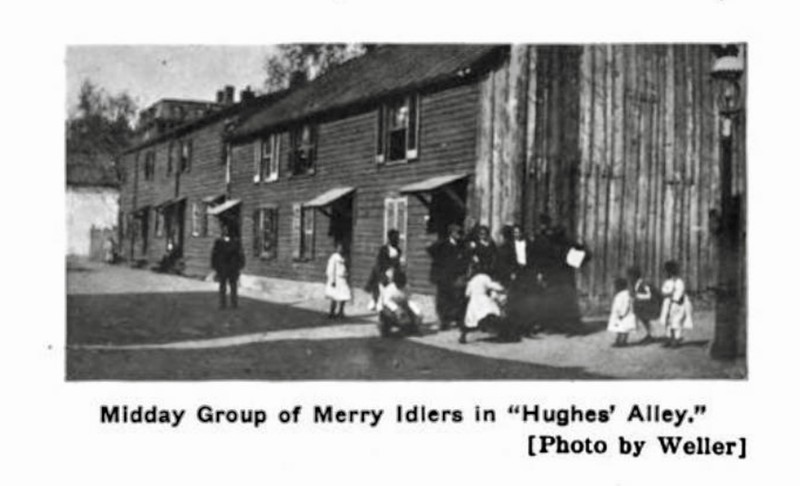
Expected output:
{"points": [[676, 309], [337, 287], [622, 319], [485, 296], [396, 309]]}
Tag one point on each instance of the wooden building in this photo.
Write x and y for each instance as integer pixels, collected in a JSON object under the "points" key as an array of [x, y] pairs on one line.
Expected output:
{"points": [[171, 181], [619, 144], [385, 141]]}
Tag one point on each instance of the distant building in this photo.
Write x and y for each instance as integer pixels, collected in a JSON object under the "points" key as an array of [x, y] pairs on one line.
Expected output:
{"points": [[92, 202]]}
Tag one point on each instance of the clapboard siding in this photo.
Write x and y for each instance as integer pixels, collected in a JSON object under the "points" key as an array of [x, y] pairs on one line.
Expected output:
{"points": [[346, 149]]}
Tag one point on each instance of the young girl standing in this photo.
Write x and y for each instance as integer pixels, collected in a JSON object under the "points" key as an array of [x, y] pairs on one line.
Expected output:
{"points": [[337, 288], [622, 319], [676, 310]]}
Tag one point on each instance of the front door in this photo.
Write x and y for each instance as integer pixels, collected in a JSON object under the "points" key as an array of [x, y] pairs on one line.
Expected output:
{"points": [[341, 223]]}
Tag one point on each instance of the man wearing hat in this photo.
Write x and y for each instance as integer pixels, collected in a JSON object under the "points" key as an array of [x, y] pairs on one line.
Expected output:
{"points": [[227, 260], [448, 274]]}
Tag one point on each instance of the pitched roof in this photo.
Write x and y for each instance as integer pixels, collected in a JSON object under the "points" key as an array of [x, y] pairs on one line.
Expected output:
{"points": [[384, 71], [236, 109], [91, 169]]}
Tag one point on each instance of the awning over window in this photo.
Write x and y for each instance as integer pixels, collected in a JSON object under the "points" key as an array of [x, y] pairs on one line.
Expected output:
{"points": [[432, 184], [214, 199], [221, 208], [329, 197], [170, 202]]}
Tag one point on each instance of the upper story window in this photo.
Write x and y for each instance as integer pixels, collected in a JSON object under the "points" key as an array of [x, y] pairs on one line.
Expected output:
{"points": [[149, 165], [170, 158], [186, 155], [398, 130], [266, 159], [303, 148]]}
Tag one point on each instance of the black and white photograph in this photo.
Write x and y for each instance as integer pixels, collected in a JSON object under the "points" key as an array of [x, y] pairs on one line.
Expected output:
{"points": [[407, 211]]}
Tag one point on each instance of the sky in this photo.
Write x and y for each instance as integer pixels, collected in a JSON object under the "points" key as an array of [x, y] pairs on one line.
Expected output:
{"points": [[151, 72]]}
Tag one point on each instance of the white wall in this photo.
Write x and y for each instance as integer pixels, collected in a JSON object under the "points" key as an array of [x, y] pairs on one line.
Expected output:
{"points": [[87, 207]]}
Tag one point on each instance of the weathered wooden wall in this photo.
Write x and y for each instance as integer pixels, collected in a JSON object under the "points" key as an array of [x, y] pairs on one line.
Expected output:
{"points": [[617, 143]]}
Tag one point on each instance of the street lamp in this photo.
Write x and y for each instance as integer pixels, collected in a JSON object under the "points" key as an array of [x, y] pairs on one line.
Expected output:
{"points": [[727, 71]]}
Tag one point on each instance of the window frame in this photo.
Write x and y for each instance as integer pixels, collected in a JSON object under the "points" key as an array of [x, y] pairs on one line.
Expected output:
{"points": [[383, 147], [266, 164], [259, 226], [187, 149], [296, 147], [394, 202]]}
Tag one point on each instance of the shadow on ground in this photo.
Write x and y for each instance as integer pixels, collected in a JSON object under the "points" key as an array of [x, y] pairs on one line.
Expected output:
{"points": [[333, 359], [153, 318]]}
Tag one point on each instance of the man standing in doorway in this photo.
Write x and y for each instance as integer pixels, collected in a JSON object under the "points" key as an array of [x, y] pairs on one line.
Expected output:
{"points": [[449, 274], [227, 260]]}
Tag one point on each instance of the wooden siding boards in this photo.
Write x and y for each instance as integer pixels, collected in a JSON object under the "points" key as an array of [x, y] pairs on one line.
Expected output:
{"points": [[346, 157], [618, 143], [647, 139]]}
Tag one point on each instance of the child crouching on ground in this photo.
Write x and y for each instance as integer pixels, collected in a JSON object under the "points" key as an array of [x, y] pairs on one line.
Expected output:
{"points": [[676, 310], [486, 297], [396, 310], [622, 319]]}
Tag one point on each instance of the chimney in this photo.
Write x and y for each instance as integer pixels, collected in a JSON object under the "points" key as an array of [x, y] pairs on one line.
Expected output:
{"points": [[297, 79], [220, 96], [229, 92], [246, 95]]}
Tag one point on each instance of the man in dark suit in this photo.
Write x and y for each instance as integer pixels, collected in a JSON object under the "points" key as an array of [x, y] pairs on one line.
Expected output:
{"points": [[449, 273], [227, 260]]}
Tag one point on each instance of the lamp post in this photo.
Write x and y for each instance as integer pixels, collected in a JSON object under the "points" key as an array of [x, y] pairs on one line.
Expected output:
{"points": [[727, 71]]}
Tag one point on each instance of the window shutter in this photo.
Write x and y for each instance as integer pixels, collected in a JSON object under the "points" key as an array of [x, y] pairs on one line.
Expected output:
{"points": [[308, 232], [256, 232], [379, 142], [412, 140], [297, 217], [402, 221], [257, 161], [312, 150], [191, 155], [388, 216], [276, 157]]}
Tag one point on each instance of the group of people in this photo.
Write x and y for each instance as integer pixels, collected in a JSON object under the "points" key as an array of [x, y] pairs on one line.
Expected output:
{"points": [[637, 304], [515, 288], [512, 288]]}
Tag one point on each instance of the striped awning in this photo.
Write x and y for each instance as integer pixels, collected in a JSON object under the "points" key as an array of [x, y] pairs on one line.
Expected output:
{"points": [[329, 197], [432, 183]]}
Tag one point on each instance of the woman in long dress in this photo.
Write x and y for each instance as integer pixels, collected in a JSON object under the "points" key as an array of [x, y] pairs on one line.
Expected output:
{"points": [[337, 287]]}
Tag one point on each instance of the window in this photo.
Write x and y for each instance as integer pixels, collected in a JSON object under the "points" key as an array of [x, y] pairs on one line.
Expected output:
{"points": [[159, 223], [170, 158], [265, 232], [303, 232], [266, 159], [303, 141], [395, 216], [149, 165], [398, 130], [196, 219], [186, 156]]}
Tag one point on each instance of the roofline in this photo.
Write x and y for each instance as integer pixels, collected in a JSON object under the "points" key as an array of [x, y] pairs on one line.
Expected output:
{"points": [[203, 121], [445, 80]]}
